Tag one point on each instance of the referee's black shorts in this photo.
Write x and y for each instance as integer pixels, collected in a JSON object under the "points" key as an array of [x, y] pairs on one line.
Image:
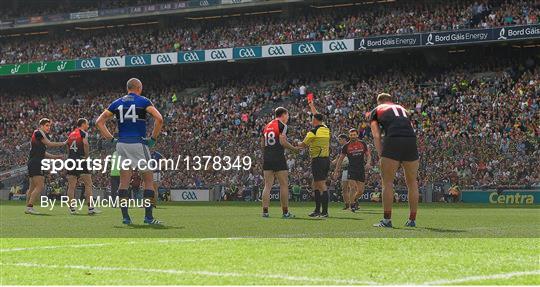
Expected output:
{"points": [[400, 148], [320, 167]]}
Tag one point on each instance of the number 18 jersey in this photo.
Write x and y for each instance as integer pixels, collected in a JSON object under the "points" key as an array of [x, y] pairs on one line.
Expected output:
{"points": [[273, 150], [130, 113]]}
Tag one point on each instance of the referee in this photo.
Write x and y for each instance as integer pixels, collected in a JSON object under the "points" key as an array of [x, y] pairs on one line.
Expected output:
{"points": [[318, 141]]}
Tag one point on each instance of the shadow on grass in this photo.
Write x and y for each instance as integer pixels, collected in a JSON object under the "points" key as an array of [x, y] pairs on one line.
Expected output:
{"points": [[441, 230], [41, 214], [346, 218]]}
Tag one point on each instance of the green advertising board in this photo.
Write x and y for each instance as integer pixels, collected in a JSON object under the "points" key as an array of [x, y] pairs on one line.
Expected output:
{"points": [[51, 67], [13, 69]]}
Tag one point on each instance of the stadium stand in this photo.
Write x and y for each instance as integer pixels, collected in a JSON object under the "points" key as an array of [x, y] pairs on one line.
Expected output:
{"points": [[401, 17]]}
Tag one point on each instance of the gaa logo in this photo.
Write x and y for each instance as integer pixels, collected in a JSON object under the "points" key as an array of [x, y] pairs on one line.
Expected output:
{"points": [[137, 60], [337, 46], [189, 195], [218, 55], [306, 49], [112, 62], [88, 64], [276, 51], [191, 57], [246, 53], [163, 59]]}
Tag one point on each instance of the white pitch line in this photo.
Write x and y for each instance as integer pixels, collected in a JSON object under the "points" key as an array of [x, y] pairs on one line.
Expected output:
{"points": [[179, 240], [197, 272], [482, 277]]}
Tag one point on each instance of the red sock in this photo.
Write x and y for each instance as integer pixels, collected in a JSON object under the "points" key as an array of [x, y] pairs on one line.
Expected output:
{"points": [[412, 216], [387, 214], [285, 210]]}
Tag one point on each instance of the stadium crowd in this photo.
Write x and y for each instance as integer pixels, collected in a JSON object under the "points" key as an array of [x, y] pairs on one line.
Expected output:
{"points": [[312, 24], [477, 125], [42, 8]]}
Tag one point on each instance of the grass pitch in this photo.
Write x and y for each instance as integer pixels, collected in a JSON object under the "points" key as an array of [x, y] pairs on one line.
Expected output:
{"points": [[229, 243]]}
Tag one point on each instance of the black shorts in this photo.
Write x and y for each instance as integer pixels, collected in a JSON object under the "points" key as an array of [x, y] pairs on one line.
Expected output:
{"points": [[34, 167], [77, 173], [320, 167], [357, 174], [400, 148], [277, 163]]}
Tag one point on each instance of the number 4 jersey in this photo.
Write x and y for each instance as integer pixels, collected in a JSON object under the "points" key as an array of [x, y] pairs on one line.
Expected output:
{"points": [[76, 144], [274, 153], [130, 113]]}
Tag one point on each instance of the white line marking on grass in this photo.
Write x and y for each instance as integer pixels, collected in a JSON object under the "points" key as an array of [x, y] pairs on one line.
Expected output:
{"points": [[180, 240], [197, 272], [482, 277]]}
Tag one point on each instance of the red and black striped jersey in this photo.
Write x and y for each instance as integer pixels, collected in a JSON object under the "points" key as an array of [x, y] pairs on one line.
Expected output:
{"points": [[271, 134], [393, 120], [355, 151], [76, 143], [38, 148]]}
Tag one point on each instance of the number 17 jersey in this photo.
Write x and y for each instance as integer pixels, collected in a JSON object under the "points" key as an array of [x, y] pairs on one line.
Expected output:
{"points": [[130, 113]]}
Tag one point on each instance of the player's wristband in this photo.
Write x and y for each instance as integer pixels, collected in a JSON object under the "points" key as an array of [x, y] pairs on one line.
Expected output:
{"points": [[151, 142]]}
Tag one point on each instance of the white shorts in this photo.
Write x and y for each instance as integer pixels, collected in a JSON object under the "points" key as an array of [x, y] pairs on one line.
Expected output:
{"points": [[157, 176], [344, 175], [134, 152]]}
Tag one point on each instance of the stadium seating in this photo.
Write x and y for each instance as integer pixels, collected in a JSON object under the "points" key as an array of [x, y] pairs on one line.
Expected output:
{"points": [[394, 18]]}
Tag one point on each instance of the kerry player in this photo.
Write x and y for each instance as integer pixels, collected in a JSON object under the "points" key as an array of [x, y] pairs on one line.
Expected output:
{"points": [[131, 112]]}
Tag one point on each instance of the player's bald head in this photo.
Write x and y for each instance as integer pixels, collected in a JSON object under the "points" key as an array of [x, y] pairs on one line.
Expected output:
{"points": [[134, 85]]}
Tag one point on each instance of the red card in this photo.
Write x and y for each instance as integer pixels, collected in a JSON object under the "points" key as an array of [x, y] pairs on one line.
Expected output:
{"points": [[310, 97]]}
